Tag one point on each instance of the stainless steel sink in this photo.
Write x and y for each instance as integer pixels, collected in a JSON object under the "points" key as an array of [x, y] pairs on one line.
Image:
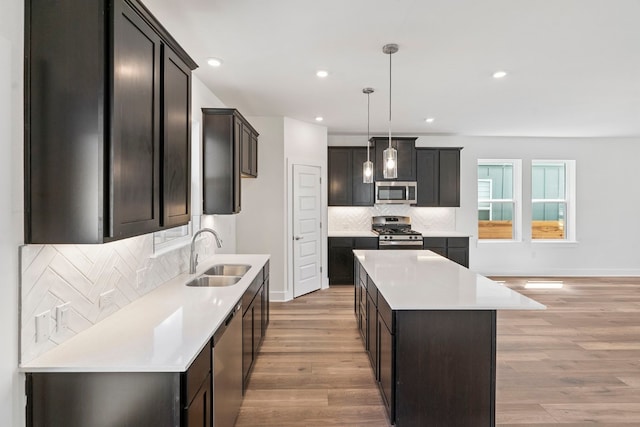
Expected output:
{"points": [[214, 281], [228, 270]]}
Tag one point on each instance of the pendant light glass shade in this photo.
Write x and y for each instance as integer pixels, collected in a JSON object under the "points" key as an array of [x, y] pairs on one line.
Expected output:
{"points": [[390, 155], [367, 172], [367, 167]]}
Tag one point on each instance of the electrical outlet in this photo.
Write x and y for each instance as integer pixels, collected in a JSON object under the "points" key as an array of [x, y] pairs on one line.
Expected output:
{"points": [[141, 275], [107, 299], [62, 317], [43, 326]]}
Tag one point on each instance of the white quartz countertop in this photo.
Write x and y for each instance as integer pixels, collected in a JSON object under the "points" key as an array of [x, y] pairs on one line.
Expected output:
{"points": [[423, 280], [369, 233], [162, 331], [365, 233], [436, 233]]}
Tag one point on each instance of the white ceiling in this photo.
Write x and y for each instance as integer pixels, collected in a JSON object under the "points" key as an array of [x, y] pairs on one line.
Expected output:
{"points": [[574, 65]]}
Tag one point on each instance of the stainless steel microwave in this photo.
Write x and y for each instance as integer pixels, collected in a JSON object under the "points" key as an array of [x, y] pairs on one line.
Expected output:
{"points": [[398, 192]]}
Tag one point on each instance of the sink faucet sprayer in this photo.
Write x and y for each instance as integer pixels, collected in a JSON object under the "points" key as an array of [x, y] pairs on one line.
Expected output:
{"points": [[193, 260]]}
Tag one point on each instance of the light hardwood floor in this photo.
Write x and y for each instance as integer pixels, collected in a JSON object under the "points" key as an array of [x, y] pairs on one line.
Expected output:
{"points": [[575, 364]]}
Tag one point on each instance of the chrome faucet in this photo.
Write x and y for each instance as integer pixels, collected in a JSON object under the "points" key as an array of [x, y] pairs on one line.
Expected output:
{"points": [[193, 260]]}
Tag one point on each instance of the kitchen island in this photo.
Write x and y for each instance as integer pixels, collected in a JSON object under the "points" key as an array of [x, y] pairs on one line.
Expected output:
{"points": [[429, 327]]}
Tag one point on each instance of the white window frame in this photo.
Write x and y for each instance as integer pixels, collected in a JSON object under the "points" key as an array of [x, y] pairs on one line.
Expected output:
{"points": [[516, 200], [569, 200]]}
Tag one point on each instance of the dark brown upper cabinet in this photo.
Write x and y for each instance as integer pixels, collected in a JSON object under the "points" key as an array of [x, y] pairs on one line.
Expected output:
{"points": [[344, 172], [406, 157], [227, 139], [107, 119], [438, 177]]}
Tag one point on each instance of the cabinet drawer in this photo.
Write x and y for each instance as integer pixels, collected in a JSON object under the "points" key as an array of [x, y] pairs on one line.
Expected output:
{"points": [[197, 373], [251, 291], [458, 242], [372, 290], [386, 314]]}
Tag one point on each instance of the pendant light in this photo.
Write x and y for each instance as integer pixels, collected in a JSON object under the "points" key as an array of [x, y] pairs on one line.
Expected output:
{"points": [[390, 155], [367, 167]]}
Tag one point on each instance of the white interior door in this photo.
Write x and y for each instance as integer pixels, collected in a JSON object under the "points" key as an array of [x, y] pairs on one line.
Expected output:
{"points": [[307, 255]]}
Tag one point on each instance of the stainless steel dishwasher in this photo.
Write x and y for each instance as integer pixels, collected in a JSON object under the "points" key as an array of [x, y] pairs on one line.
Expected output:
{"points": [[227, 370]]}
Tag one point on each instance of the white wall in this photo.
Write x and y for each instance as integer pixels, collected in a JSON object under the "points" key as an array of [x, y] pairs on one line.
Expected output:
{"points": [[225, 225], [260, 225], [608, 208], [305, 144], [11, 208], [263, 225]]}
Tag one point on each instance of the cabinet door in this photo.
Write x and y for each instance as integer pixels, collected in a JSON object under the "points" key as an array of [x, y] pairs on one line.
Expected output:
{"points": [[238, 129], [386, 364], [257, 321], [176, 143], [427, 177], [362, 194], [340, 261], [135, 139], [435, 244], [458, 250], [406, 158], [265, 305], [246, 151], [372, 335], [339, 177], [254, 155], [198, 413], [449, 170], [247, 345]]}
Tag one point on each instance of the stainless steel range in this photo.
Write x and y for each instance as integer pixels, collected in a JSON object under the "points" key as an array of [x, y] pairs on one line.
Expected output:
{"points": [[394, 232]]}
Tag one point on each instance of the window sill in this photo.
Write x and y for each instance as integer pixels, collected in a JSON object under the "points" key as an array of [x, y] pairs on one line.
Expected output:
{"points": [[497, 241], [551, 242]]}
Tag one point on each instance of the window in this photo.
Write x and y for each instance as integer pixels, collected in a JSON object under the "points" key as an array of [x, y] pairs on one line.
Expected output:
{"points": [[552, 200], [499, 199]]}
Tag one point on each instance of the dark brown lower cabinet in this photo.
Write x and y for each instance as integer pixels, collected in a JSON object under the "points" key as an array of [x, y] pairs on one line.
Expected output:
{"points": [[433, 367], [97, 399], [255, 306], [386, 362], [372, 334], [454, 248], [198, 413], [341, 257]]}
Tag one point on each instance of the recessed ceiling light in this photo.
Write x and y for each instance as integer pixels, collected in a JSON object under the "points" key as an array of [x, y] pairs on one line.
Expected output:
{"points": [[214, 62], [499, 74], [429, 120], [322, 73], [319, 119]]}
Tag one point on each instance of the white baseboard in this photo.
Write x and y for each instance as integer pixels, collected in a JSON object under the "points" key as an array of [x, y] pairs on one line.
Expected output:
{"points": [[279, 296]]}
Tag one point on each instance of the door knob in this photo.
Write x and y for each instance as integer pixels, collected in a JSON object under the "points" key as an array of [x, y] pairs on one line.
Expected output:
{"points": [[297, 237]]}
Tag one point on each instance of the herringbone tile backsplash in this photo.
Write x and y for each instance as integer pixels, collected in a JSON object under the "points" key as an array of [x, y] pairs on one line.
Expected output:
{"points": [[56, 274], [349, 218]]}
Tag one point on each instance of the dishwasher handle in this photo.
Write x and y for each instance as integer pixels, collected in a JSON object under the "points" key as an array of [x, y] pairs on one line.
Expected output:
{"points": [[233, 313], [222, 328]]}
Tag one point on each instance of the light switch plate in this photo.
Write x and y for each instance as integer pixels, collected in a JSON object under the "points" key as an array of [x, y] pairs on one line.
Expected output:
{"points": [[62, 317], [106, 299], [141, 275], [43, 326]]}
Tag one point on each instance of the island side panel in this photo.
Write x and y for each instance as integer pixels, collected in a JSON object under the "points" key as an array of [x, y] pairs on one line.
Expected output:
{"points": [[445, 368]]}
